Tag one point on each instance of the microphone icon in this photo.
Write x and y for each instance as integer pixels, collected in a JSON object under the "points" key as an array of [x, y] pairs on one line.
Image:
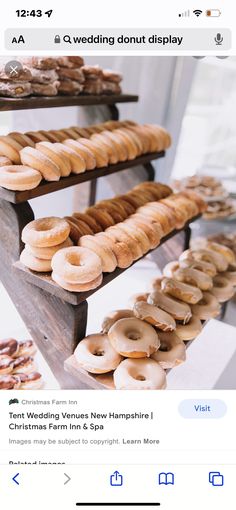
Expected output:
{"points": [[219, 39]]}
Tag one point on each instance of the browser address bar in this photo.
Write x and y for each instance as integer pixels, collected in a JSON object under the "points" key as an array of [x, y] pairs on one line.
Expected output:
{"points": [[93, 39]]}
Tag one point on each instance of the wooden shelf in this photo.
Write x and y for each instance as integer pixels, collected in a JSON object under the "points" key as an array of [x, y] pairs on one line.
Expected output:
{"points": [[45, 187], [45, 282], [32, 103]]}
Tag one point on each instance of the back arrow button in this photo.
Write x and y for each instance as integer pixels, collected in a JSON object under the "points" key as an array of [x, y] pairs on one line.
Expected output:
{"points": [[14, 479], [68, 479]]}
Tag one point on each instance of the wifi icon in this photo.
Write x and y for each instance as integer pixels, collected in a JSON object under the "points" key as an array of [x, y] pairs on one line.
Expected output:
{"points": [[197, 12]]}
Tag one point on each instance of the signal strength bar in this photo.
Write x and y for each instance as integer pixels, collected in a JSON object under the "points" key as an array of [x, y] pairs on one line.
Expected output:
{"points": [[184, 14]]}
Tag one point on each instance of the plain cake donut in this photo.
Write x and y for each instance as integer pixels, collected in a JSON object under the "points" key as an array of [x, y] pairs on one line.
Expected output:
{"points": [[139, 374], [222, 289], [47, 253], [133, 338], [96, 354], [77, 287], [34, 263], [46, 232], [76, 265], [19, 177]]}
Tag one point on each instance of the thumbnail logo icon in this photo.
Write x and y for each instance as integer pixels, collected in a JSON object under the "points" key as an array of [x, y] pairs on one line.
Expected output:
{"points": [[13, 401], [166, 479], [116, 479], [216, 479], [197, 12]]}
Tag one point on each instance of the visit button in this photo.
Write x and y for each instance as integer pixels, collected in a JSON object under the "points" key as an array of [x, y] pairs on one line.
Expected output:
{"points": [[202, 409]]}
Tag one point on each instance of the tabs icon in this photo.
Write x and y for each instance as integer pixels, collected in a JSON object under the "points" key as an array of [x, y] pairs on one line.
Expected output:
{"points": [[166, 479]]}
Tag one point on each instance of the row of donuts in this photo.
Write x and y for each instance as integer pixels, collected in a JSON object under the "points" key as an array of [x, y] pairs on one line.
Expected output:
{"points": [[118, 246], [17, 365], [151, 335], [26, 159], [49, 76]]}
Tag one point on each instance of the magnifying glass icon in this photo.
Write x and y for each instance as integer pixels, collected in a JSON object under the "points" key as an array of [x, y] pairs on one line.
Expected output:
{"points": [[67, 39]]}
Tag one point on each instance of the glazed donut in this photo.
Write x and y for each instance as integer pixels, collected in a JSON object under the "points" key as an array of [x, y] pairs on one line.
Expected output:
{"points": [[10, 149], [22, 139], [192, 195], [180, 213], [23, 365], [76, 265], [172, 351], [27, 348], [200, 265], [34, 263], [95, 227], [6, 364], [100, 155], [231, 276], [139, 374], [77, 287], [207, 308], [51, 136], [83, 151], [170, 268], [177, 309], [52, 152], [159, 216], [217, 259], [46, 232], [75, 231], [96, 354], [136, 139], [5, 161], [111, 209], [222, 289], [107, 258], [154, 316], [128, 208], [32, 381], [133, 338], [9, 382], [123, 254], [46, 166], [156, 283], [193, 277], [77, 163], [223, 250], [113, 317], [19, 177], [9, 347], [189, 331], [47, 253], [182, 291], [136, 298], [114, 206]]}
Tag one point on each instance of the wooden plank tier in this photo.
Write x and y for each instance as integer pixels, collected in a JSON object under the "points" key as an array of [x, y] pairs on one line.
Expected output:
{"points": [[32, 103], [45, 187], [45, 282]]}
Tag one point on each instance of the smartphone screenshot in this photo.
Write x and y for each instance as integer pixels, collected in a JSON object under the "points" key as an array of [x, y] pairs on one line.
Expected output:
{"points": [[118, 255]]}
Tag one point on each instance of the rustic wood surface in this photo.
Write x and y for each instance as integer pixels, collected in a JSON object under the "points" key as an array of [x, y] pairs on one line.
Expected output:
{"points": [[55, 325], [45, 282], [31, 103], [46, 187]]}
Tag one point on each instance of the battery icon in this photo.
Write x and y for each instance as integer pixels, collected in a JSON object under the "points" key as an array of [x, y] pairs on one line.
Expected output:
{"points": [[213, 13]]}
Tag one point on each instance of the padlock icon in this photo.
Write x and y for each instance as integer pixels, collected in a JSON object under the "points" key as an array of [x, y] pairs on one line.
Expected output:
{"points": [[57, 39]]}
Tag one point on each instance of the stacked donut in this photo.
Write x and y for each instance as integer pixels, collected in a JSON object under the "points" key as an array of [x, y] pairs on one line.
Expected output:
{"points": [[51, 76], [43, 238], [152, 335], [50, 155], [17, 366]]}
